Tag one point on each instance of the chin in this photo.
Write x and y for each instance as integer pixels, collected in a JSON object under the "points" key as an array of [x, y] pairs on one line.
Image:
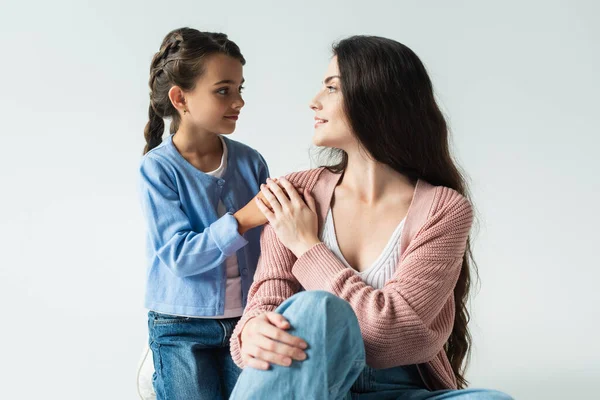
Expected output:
{"points": [[227, 130], [326, 141], [319, 140]]}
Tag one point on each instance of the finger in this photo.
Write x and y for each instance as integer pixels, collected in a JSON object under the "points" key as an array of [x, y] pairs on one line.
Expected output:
{"points": [[291, 192], [279, 183], [278, 192], [264, 209], [310, 201], [282, 336], [275, 205], [278, 320], [282, 353], [264, 200], [256, 363], [267, 355], [299, 188]]}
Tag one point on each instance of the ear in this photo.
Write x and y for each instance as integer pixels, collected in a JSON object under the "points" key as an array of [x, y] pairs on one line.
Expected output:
{"points": [[177, 98]]}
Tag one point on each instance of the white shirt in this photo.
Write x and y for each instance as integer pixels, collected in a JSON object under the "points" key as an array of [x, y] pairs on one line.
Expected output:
{"points": [[382, 269], [233, 289]]}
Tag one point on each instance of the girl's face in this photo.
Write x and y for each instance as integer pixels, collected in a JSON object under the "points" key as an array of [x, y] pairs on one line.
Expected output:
{"points": [[331, 125], [215, 103]]}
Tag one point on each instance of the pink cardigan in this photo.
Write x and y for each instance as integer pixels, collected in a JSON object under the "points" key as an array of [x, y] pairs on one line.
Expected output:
{"points": [[410, 319]]}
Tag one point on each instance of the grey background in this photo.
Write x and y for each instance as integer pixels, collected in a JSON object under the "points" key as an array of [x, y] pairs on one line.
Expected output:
{"points": [[518, 81]]}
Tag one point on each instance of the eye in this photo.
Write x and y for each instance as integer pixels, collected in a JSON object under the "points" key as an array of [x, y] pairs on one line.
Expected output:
{"points": [[241, 89], [331, 89], [223, 91]]}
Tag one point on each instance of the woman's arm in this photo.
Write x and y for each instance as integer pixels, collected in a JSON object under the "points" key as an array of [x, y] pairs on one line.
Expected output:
{"points": [[273, 284], [410, 319]]}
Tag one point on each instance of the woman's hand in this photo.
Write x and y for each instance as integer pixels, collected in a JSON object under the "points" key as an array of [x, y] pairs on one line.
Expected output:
{"points": [[294, 221], [250, 216], [265, 342]]}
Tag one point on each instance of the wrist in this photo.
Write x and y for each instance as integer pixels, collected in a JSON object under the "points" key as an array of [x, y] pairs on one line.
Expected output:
{"points": [[305, 245], [242, 220]]}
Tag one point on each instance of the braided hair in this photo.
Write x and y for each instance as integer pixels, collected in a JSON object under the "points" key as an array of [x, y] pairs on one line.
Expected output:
{"points": [[179, 62]]}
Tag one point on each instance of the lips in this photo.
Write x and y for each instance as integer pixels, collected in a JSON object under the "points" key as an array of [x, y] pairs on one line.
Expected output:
{"points": [[320, 121], [232, 117]]}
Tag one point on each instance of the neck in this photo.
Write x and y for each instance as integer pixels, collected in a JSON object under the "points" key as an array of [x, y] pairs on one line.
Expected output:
{"points": [[372, 181], [196, 141]]}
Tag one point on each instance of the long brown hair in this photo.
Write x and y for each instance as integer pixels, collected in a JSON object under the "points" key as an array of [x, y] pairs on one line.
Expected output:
{"points": [[389, 101], [179, 62]]}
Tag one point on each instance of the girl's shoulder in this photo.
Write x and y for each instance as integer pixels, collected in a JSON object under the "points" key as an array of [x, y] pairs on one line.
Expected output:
{"points": [[159, 159], [241, 152], [240, 149]]}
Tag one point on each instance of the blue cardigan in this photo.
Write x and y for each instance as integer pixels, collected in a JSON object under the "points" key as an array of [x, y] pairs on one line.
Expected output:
{"points": [[187, 243]]}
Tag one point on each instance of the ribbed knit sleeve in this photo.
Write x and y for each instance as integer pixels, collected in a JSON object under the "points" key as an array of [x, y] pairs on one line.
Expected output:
{"points": [[273, 284], [410, 319], [273, 280]]}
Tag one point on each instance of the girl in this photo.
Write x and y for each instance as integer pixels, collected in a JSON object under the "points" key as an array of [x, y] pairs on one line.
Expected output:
{"points": [[201, 251], [380, 246]]}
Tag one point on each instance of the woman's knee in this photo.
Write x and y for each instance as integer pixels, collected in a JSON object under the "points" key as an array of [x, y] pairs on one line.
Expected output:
{"points": [[324, 319], [497, 395], [318, 303], [486, 394]]}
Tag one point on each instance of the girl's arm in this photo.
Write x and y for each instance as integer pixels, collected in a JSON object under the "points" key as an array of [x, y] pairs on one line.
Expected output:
{"points": [[250, 216], [181, 249]]}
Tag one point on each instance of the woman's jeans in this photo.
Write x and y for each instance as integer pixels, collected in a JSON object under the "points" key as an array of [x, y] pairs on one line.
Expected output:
{"points": [[335, 366]]}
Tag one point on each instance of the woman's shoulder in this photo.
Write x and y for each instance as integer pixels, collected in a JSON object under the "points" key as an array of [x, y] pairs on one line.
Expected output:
{"points": [[305, 179], [440, 204], [437, 212], [443, 198]]}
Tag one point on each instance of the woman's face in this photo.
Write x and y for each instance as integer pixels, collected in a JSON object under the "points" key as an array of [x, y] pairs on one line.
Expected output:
{"points": [[331, 125]]}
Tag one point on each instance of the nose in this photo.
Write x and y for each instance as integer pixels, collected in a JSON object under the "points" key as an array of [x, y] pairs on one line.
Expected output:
{"points": [[315, 104], [238, 103]]}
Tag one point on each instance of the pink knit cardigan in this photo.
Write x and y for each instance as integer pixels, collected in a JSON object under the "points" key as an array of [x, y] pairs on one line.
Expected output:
{"points": [[410, 319]]}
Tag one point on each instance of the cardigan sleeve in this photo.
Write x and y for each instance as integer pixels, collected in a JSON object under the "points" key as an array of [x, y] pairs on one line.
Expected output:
{"points": [[410, 319], [273, 284], [181, 249]]}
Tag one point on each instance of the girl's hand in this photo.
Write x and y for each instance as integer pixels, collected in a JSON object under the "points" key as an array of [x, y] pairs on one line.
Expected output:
{"points": [[265, 342], [294, 221], [249, 216]]}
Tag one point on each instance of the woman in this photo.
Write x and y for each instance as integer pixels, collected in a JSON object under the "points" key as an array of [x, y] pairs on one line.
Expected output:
{"points": [[380, 246]]}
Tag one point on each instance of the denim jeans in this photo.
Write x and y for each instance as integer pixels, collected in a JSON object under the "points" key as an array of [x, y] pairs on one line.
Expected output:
{"points": [[335, 366], [191, 357]]}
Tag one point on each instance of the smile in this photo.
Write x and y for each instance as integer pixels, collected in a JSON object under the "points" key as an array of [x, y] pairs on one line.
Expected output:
{"points": [[319, 121]]}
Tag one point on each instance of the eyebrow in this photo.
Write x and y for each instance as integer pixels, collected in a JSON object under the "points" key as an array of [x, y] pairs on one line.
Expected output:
{"points": [[329, 78], [228, 81]]}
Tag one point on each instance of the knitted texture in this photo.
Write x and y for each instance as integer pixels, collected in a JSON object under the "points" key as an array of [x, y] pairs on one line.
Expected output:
{"points": [[406, 322]]}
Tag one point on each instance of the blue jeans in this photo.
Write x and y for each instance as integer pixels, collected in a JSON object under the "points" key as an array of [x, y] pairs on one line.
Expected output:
{"points": [[191, 357], [335, 366]]}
